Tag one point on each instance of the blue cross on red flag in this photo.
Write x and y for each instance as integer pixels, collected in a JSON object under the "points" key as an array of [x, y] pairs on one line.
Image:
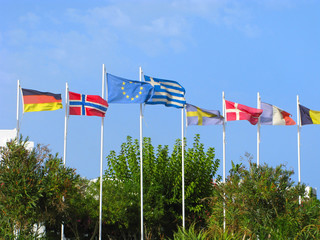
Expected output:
{"points": [[87, 105]]}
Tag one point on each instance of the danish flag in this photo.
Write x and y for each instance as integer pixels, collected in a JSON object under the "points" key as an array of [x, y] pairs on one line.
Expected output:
{"points": [[87, 105], [235, 111]]}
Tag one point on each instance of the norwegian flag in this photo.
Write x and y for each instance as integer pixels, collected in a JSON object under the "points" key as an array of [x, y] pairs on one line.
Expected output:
{"points": [[87, 105], [235, 111]]}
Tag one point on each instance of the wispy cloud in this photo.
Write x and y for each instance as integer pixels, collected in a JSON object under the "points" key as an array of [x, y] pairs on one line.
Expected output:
{"points": [[100, 16], [135, 23], [154, 27], [30, 19], [278, 4], [15, 37], [211, 10], [229, 13], [166, 27]]}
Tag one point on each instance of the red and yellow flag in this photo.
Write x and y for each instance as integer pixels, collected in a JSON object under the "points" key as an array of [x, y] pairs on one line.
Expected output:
{"points": [[34, 101]]}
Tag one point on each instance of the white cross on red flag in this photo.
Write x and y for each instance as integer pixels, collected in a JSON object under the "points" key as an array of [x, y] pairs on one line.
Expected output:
{"points": [[236, 111]]}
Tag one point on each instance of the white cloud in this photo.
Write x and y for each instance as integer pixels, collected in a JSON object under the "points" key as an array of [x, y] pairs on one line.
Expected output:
{"points": [[230, 13], [207, 9], [16, 36], [160, 25], [30, 19], [278, 4], [166, 26], [102, 16], [136, 23], [251, 30], [177, 45], [111, 15], [155, 27]]}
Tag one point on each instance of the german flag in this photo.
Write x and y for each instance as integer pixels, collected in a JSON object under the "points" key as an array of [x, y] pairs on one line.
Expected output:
{"points": [[35, 101]]}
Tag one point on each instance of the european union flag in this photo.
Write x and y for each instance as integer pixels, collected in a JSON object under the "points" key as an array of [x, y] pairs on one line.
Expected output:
{"points": [[121, 90]]}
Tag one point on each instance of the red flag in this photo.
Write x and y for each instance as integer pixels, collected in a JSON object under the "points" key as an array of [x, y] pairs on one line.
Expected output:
{"points": [[235, 111], [88, 105]]}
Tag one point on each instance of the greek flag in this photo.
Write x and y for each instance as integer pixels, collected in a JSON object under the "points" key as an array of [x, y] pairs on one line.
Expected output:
{"points": [[167, 92]]}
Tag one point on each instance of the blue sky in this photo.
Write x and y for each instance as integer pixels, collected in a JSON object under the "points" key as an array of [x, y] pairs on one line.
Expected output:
{"points": [[239, 47]]}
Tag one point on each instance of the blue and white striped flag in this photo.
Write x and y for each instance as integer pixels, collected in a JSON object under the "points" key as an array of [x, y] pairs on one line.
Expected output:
{"points": [[167, 92]]}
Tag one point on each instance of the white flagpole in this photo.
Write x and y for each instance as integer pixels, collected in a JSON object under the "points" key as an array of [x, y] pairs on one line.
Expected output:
{"points": [[182, 146], [299, 126], [18, 108], [224, 154], [141, 162], [258, 131], [101, 155], [66, 117], [65, 141]]}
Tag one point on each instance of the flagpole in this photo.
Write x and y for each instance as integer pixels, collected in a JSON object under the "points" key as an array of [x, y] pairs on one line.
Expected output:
{"points": [[224, 156], [299, 153], [299, 125], [141, 163], [258, 131], [18, 108], [65, 141], [65, 124], [182, 146], [101, 156]]}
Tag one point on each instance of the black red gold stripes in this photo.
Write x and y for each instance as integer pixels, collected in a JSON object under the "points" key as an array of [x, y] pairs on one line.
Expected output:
{"points": [[34, 101]]}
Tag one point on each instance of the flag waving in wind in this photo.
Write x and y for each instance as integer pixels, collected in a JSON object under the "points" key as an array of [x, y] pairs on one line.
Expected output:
{"points": [[309, 116], [121, 90], [236, 111], [35, 101], [273, 115], [167, 92], [202, 117], [87, 105]]}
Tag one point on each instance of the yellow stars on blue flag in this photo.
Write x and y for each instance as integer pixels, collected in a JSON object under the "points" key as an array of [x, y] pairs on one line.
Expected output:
{"points": [[121, 90], [125, 91]]}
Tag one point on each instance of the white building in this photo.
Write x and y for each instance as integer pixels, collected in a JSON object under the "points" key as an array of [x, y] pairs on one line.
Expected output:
{"points": [[8, 135]]}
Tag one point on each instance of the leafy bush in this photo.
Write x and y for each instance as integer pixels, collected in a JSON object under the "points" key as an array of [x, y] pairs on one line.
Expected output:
{"points": [[263, 202], [190, 234], [162, 187], [32, 186]]}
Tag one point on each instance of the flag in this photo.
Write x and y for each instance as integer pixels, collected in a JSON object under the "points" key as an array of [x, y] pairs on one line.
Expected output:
{"points": [[35, 101], [87, 105], [202, 117], [121, 90], [235, 111], [273, 115], [169, 93], [309, 116]]}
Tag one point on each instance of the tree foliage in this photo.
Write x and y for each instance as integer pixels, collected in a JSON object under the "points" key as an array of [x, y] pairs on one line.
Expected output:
{"points": [[262, 202], [32, 186], [162, 181]]}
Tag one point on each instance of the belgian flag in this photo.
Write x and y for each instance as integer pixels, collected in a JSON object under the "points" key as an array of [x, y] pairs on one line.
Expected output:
{"points": [[309, 116], [35, 101]]}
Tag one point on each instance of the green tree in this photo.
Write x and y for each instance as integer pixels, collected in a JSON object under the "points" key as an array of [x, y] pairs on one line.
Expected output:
{"points": [[263, 202], [162, 187], [81, 218], [33, 183]]}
